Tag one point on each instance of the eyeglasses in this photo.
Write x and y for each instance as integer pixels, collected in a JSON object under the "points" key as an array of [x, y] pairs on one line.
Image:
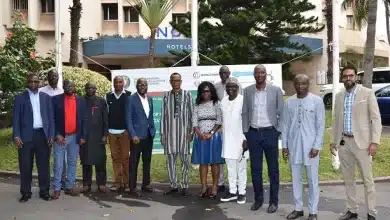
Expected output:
{"points": [[206, 91]]}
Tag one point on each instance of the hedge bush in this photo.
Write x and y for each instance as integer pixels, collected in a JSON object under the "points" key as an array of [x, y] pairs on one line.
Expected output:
{"points": [[81, 76]]}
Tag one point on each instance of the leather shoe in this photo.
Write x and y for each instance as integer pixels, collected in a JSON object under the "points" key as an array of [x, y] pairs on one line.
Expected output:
{"points": [[312, 217], [221, 188], [256, 206], [295, 214], [370, 217], [184, 192], [134, 192], [45, 197], [272, 208], [24, 198], [349, 215]]}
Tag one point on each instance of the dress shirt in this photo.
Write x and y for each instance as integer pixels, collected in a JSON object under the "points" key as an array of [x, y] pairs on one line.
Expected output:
{"points": [[145, 104], [51, 91], [349, 99], [36, 108], [260, 113]]}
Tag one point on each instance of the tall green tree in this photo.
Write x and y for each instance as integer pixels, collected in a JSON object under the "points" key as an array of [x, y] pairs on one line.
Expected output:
{"points": [[329, 32], [75, 16], [153, 13], [250, 31], [369, 50]]}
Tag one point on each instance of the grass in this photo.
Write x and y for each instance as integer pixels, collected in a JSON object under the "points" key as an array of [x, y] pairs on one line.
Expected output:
{"points": [[381, 166]]}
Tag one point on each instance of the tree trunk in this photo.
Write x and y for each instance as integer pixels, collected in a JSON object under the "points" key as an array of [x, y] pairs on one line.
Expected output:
{"points": [[152, 42], [369, 52], [329, 25], [387, 2], [75, 16]]}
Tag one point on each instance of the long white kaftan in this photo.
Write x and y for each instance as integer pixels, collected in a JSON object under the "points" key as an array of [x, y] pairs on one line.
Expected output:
{"points": [[303, 125]]}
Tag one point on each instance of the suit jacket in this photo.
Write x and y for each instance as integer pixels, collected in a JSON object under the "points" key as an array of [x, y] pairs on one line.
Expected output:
{"points": [[274, 105], [22, 122], [59, 115], [366, 119], [137, 123]]}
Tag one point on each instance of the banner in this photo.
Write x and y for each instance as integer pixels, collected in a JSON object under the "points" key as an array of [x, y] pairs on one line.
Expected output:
{"points": [[158, 83]]}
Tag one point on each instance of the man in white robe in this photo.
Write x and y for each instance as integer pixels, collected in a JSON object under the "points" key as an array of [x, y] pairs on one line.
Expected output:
{"points": [[234, 148], [303, 124]]}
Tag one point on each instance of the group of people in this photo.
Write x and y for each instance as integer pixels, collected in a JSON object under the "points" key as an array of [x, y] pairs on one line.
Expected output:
{"points": [[227, 124]]}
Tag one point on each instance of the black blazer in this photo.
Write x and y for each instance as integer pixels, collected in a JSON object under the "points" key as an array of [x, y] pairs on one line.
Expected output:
{"points": [[59, 116]]}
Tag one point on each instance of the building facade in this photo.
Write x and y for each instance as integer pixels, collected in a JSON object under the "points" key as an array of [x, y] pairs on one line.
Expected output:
{"points": [[113, 34]]}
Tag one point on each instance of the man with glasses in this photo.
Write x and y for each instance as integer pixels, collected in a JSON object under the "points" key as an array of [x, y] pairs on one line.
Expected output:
{"points": [[33, 132]]}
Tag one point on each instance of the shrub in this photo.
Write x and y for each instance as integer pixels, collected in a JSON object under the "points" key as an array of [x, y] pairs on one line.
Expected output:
{"points": [[81, 76]]}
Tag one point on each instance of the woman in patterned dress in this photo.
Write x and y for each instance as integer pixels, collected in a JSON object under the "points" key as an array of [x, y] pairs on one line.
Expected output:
{"points": [[207, 121]]}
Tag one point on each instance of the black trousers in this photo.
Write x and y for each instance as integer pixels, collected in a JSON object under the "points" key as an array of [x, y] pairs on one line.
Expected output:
{"points": [[39, 148], [145, 146], [100, 172], [264, 141]]}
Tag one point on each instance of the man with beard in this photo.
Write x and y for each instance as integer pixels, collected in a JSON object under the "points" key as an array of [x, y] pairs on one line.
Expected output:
{"points": [[356, 133], [118, 138], [93, 151], [52, 89], [261, 111], [140, 125], [303, 126]]}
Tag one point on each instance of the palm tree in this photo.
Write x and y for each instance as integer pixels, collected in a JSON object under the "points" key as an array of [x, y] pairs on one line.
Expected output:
{"points": [[329, 24], [387, 5], [360, 12], [154, 12], [75, 16]]}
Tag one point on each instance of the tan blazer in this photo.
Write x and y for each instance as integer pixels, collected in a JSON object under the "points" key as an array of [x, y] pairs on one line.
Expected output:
{"points": [[366, 119]]}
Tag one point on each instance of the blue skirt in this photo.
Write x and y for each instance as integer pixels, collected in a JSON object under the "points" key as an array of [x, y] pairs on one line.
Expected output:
{"points": [[207, 151]]}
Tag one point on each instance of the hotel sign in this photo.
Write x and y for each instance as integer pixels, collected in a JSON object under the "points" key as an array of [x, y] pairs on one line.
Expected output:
{"points": [[168, 33]]}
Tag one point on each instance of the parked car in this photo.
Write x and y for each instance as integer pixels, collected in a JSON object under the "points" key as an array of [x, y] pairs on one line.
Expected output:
{"points": [[383, 98], [380, 79]]}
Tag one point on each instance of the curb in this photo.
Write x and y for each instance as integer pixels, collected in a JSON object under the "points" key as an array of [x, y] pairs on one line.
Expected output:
{"points": [[383, 179]]}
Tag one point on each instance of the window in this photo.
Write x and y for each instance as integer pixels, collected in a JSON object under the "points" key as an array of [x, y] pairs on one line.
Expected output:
{"points": [[384, 93], [349, 19], [130, 14], [349, 4], [381, 77], [47, 6], [20, 5], [110, 12], [179, 18]]}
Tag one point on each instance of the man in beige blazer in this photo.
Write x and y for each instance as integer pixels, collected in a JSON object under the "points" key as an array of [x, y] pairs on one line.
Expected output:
{"points": [[356, 132]]}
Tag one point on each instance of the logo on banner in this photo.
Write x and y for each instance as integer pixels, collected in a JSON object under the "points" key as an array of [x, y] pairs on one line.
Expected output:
{"points": [[127, 81], [196, 75]]}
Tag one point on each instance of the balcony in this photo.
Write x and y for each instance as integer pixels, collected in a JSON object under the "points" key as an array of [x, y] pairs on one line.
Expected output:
{"points": [[47, 22]]}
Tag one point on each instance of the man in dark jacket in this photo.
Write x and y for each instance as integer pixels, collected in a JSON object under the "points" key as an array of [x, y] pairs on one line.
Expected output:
{"points": [[69, 112], [33, 131], [93, 152]]}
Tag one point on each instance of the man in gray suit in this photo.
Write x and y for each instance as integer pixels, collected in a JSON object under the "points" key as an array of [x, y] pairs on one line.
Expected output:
{"points": [[220, 86], [261, 113]]}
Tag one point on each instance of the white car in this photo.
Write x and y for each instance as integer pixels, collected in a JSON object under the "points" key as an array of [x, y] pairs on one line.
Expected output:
{"points": [[380, 79]]}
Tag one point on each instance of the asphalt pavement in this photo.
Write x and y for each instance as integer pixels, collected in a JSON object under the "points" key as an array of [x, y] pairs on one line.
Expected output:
{"points": [[156, 206]]}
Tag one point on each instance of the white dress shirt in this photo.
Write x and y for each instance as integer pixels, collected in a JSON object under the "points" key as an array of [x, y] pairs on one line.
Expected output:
{"points": [[260, 113], [51, 91], [36, 108], [145, 104]]}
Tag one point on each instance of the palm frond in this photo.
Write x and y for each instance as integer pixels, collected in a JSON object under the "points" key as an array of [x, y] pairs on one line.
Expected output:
{"points": [[153, 12]]}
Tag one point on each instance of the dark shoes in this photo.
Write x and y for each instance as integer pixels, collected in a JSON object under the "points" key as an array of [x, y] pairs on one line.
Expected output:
{"points": [[134, 192], [256, 206], [24, 198], [241, 199], [184, 192], [147, 189], [72, 192], [272, 208], [229, 197], [295, 214], [370, 217], [349, 215], [45, 197], [171, 191], [221, 188], [312, 217]]}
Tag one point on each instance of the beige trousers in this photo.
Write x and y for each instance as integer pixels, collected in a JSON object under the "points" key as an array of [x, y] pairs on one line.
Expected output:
{"points": [[350, 155]]}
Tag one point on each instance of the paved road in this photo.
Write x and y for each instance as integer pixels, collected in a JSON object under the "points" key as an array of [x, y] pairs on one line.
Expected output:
{"points": [[156, 206]]}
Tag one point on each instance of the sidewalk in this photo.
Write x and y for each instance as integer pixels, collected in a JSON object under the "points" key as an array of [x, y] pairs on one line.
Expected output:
{"points": [[156, 206]]}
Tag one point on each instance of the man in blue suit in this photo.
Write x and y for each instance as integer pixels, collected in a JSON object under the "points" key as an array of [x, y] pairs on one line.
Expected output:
{"points": [[69, 111], [140, 125], [33, 132]]}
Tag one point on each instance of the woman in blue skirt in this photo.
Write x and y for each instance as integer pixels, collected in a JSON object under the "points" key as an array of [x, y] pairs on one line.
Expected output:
{"points": [[207, 121]]}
